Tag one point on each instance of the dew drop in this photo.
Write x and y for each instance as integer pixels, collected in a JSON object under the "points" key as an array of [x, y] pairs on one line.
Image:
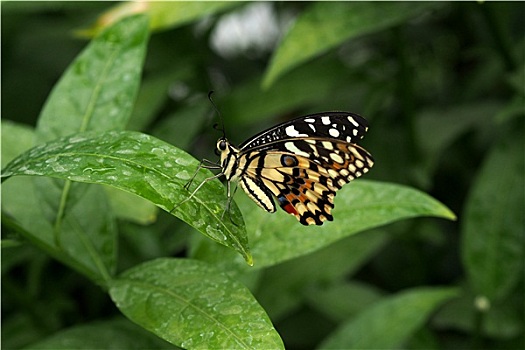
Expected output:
{"points": [[215, 233], [158, 151]]}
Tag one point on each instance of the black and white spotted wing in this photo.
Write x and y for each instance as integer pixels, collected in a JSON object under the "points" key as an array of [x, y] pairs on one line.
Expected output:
{"points": [[344, 126], [302, 163]]}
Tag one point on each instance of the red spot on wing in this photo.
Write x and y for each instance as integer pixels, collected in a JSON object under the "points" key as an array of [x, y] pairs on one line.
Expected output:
{"points": [[289, 209]]}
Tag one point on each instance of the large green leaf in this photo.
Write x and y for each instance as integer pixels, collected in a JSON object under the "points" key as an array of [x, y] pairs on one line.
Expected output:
{"points": [[142, 165], [96, 92], [389, 322], [359, 206], [193, 305], [493, 224], [324, 25]]}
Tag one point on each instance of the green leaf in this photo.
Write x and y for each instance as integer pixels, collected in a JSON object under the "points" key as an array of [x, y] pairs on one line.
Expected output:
{"points": [[162, 15], [503, 320], [130, 207], [389, 322], [193, 305], [325, 25], [98, 90], [28, 220], [291, 278], [359, 206], [181, 128], [91, 249], [115, 334], [331, 78], [493, 235], [142, 165], [441, 127], [342, 301], [16, 138], [153, 94]]}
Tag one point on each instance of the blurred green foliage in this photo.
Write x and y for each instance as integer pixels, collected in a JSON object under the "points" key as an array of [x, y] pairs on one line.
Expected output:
{"points": [[443, 88]]}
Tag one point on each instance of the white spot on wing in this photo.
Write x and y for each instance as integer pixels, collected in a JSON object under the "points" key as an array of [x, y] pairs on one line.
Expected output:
{"points": [[327, 145], [332, 173], [309, 120], [292, 148], [325, 120], [333, 132], [336, 158], [292, 132], [352, 120]]}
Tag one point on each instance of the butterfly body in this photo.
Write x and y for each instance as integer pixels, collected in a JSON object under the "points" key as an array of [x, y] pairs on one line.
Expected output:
{"points": [[301, 163]]}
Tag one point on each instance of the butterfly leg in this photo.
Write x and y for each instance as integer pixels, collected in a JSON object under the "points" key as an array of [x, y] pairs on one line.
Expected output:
{"points": [[229, 202], [210, 165], [196, 190]]}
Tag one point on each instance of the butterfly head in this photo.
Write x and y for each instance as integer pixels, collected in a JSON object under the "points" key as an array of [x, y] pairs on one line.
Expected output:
{"points": [[226, 151]]}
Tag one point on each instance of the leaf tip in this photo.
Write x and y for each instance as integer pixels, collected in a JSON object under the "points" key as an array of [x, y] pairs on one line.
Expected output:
{"points": [[449, 214], [248, 258]]}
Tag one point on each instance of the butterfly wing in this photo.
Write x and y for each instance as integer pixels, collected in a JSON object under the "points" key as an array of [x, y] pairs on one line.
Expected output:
{"points": [[343, 126], [303, 163], [304, 175]]}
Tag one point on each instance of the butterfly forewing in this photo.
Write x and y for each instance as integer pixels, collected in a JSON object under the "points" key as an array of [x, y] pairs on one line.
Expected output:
{"points": [[344, 126]]}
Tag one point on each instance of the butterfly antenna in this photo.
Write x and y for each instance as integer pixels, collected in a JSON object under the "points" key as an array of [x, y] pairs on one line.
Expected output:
{"points": [[216, 125]]}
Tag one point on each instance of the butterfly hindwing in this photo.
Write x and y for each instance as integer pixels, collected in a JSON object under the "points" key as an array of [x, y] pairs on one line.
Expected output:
{"points": [[258, 192], [305, 177]]}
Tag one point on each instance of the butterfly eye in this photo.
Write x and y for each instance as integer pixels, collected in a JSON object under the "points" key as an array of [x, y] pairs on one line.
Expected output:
{"points": [[221, 145]]}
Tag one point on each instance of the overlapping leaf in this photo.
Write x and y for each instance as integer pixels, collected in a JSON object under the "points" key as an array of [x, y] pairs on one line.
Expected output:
{"points": [[359, 206], [389, 322], [142, 165], [493, 227], [95, 93], [324, 25]]}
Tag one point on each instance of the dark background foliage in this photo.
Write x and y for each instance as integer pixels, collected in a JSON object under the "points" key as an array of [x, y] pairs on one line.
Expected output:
{"points": [[443, 91]]}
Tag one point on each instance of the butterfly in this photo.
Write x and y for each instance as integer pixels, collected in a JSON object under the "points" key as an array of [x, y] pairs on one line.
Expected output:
{"points": [[301, 163]]}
